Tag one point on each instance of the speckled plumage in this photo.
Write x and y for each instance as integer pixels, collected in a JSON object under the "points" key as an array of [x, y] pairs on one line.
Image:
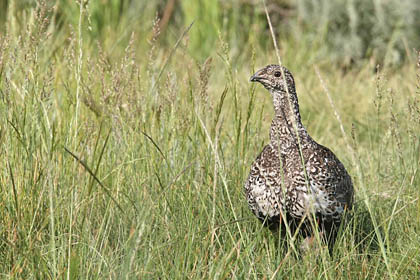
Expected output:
{"points": [[278, 183]]}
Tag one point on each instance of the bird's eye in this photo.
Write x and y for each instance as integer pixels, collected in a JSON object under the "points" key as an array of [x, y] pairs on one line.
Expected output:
{"points": [[277, 74]]}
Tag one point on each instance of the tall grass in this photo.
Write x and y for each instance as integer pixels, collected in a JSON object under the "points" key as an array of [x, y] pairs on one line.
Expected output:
{"points": [[125, 158]]}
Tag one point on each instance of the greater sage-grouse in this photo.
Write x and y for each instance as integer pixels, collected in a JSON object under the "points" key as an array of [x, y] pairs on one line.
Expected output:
{"points": [[278, 188]]}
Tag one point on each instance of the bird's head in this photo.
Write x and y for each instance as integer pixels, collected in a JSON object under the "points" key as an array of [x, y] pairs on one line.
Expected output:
{"points": [[271, 77]]}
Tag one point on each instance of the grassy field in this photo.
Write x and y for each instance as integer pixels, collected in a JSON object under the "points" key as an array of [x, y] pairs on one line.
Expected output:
{"points": [[124, 149]]}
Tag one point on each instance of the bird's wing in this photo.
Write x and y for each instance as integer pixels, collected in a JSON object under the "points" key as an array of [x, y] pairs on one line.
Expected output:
{"points": [[263, 187], [327, 172]]}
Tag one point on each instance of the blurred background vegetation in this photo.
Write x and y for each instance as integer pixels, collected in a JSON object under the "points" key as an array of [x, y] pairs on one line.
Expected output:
{"points": [[343, 32]]}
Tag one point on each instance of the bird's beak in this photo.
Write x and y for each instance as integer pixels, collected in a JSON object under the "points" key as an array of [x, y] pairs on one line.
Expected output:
{"points": [[257, 77], [254, 78]]}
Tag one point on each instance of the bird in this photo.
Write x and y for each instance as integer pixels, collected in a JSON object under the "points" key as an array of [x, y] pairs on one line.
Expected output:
{"points": [[294, 179]]}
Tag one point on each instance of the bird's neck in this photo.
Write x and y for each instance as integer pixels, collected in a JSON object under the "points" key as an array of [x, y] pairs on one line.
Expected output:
{"points": [[287, 120], [286, 108]]}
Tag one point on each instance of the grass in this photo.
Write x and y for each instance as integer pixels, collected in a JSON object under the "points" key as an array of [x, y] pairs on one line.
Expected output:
{"points": [[125, 158]]}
